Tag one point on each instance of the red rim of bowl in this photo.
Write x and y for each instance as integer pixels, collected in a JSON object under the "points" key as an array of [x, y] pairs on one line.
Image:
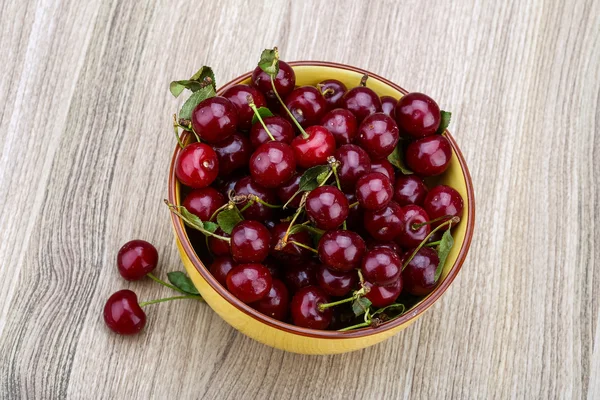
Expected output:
{"points": [[246, 309]]}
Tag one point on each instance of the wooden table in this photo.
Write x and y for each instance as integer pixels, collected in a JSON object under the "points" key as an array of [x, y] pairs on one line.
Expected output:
{"points": [[85, 144]]}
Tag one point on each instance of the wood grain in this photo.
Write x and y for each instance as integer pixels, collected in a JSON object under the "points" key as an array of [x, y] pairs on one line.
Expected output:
{"points": [[85, 144]]}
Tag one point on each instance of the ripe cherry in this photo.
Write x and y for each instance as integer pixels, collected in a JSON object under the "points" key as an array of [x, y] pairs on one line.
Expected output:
{"points": [[441, 201], [307, 105], [288, 189], [227, 184], [214, 119], [220, 267], [290, 249], [378, 135], [342, 124], [410, 236], [123, 314], [276, 303], [284, 81], [238, 95], [273, 266], [333, 91], [136, 259], [381, 296], [376, 244], [326, 207], [197, 165], [233, 153], [417, 115], [388, 104], [249, 282], [280, 128], [381, 266], [419, 274], [383, 166], [429, 156], [374, 191], [409, 189], [203, 202], [256, 211], [384, 224], [341, 250], [299, 275], [217, 246], [354, 163], [250, 242], [355, 214], [336, 283], [305, 308], [362, 101], [315, 148], [272, 164]]}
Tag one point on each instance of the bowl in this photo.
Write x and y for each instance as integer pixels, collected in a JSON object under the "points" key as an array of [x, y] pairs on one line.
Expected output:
{"points": [[292, 338]]}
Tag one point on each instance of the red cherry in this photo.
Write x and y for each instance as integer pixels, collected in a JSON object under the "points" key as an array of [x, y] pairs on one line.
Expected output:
{"points": [[233, 153], [362, 101], [305, 308], [290, 249], [382, 296], [217, 246], [381, 266], [341, 250], [123, 314], [354, 163], [388, 104], [284, 81], [238, 95], [307, 105], [333, 91], [197, 165], [280, 128], [214, 119], [272, 164], [443, 201], [409, 189], [288, 189], [336, 283], [249, 282], [273, 266], [417, 115], [326, 207], [136, 259], [342, 124], [220, 267], [384, 224], [384, 167], [378, 135], [409, 236], [249, 242], [276, 303], [373, 244], [355, 214], [256, 211], [419, 274], [300, 275], [315, 149], [429, 156], [203, 202], [374, 191]]}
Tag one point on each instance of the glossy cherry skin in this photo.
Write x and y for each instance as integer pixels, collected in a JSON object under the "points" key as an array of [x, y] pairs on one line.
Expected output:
{"points": [[326, 207], [280, 128], [429, 156], [333, 91], [341, 250], [276, 303], [441, 201], [214, 119], [227, 184], [409, 189], [408, 236], [362, 101], [290, 249], [315, 149], [381, 296], [217, 246], [384, 224], [203, 202], [307, 105], [374, 191], [342, 124], [383, 166], [250, 242], [288, 189], [238, 95], [388, 105], [417, 115], [233, 153], [381, 266], [300, 275], [123, 314], [378, 135], [197, 165], [305, 308], [256, 211], [419, 274], [284, 81], [354, 163], [220, 267], [249, 282], [376, 244], [336, 283], [136, 259], [272, 164]]}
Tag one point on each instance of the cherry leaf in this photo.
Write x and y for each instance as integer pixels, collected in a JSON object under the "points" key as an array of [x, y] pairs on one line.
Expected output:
{"points": [[264, 113], [360, 306], [181, 281], [269, 62], [195, 83], [445, 117], [190, 219], [313, 177], [228, 219], [389, 308], [443, 250], [195, 99], [397, 160], [210, 226]]}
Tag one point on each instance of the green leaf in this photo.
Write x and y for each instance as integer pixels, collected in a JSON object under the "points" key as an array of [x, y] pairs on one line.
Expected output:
{"points": [[313, 177], [391, 307], [397, 160], [195, 222], [443, 250], [210, 226], [360, 306], [228, 219], [195, 83], [269, 61], [264, 113], [445, 117], [182, 281], [194, 100]]}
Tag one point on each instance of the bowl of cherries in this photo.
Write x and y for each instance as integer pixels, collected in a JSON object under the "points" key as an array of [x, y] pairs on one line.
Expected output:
{"points": [[317, 207]]}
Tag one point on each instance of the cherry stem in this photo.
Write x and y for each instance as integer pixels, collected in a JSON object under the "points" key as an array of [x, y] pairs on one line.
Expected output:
{"points": [[326, 178], [361, 325], [414, 227], [355, 204], [175, 128], [302, 131], [158, 280], [327, 91], [247, 205], [334, 164], [193, 225], [303, 246], [253, 107], [287, 233], [312, 228], [228, 205], [324, 306], [433, 244], [261, 201], [191, 296], [453, 220], [363, 80]]}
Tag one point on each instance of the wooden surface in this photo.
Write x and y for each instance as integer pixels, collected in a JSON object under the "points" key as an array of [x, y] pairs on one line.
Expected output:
{"points": [[85, 143]]}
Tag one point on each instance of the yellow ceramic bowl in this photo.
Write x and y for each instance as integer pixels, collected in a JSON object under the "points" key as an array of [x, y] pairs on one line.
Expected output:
{"points": [[308, 341]]}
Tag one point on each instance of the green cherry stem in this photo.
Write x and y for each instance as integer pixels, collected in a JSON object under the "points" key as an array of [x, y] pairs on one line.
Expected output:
{"points": [[158, 280], [283, 241], [226, 206], [324, 306], [303, 246], [253, 107], [176, 129], [453, 220], [361, 325], [355, 204], [414, 227], [253, 197], [191, 224], [326, 178], [145, 303], [433, 244], [302, 131]]}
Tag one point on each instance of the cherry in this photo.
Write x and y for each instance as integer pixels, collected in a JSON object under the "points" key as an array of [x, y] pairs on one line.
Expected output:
{"points": [[354, 163], [307, 105], [383, 166], [136, 259], [326, 207], [388, 104], [288, 189], [333, 91], [355, 214], [276, 303], [429, 156], [315, 148], [362, 101], [227, 184], [373, 244], [256, 211], [220, 267], [419, 274], [342, 124], [378, 135], [381, 266], [305, 308], [203, 202], [123, 314], [273, 266], [417, 115], [336, 283], [341, 250], [409, 189], [300, 275], [409, 236], [374, 191], [233, 153], [284, 81], [280, 128], [384, 224], [214, 119], [197, 165], [238, 95], [290, 249], [249, 282], [443, 201], [272, 164], [217, 246], [249, 242], [382, 296]]}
